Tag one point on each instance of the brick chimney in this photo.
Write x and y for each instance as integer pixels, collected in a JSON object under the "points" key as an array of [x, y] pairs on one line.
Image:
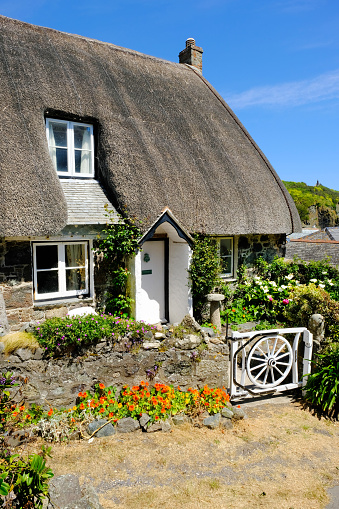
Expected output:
{"points": [[191, 55]]}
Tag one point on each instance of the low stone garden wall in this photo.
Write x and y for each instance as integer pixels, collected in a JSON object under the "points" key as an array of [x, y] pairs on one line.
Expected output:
{"points": [[57, 382]]}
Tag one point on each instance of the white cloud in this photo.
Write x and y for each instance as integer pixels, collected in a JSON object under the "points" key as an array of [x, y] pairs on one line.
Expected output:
{"points": [[295, 93]]}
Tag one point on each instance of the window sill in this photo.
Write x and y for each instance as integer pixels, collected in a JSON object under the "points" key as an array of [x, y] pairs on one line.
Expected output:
{"points": [[64, 301], [228, 279]]}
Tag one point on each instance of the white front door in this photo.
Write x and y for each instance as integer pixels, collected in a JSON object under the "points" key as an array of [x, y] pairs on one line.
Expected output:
{"points": [[153, 301]]}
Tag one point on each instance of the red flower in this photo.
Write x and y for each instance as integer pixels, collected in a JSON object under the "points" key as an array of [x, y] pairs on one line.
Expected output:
{"points": [[101, 410], [101, 386], [50, 412]]}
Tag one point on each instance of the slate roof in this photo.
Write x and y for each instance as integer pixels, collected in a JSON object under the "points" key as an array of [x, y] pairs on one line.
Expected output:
{"points": [[86, 200], [333, 232], [164, 138]]}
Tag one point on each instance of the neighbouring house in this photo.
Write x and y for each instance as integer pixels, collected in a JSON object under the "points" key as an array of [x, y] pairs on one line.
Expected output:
{"points": [[84, 123], [318, 245]]}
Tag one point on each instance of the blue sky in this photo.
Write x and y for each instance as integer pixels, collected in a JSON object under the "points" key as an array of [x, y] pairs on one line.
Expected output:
{"points": [[276, 63]]}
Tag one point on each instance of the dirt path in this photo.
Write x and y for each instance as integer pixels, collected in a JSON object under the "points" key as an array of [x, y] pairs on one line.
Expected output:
{"points": [[280, 457]]}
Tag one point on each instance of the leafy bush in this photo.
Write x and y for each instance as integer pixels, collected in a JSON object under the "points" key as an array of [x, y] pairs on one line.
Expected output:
{"points": [[24, 481], [204, 271], [118, 243], [61, 335], [322, 388]]}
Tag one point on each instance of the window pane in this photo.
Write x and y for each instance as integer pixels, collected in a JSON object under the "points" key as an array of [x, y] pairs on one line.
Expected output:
{"points": [[48, 281], [60, 159], [46, 257], [226, 265], [225, 247], [57, 134], [83, 161], [75, 279], [75, 255], [82, 137]]}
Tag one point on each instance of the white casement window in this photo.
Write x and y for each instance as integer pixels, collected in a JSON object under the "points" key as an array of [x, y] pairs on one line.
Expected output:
{"points": [[60, 269], [226, 256], [71, 146]]}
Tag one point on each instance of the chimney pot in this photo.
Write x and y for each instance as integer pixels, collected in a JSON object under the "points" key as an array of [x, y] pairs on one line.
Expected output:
{"points": [[191, 55]]}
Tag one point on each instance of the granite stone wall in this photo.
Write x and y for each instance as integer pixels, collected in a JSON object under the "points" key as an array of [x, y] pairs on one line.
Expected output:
{"points": [[251, 247], [57, 382]]}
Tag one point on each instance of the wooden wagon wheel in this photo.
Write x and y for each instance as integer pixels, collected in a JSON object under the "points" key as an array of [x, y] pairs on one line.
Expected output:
{"points": [[269, 361]]}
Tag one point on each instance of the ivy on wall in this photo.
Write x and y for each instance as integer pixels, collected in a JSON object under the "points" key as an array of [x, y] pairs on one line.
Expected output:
{"points": [[117, 244], [204, 271]]}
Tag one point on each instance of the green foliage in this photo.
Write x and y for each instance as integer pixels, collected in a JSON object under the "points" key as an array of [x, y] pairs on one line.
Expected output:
{"points": [[204, 271], [322, 386], [7, 381], [24, 481], [118, 243], [305, 301], [323, 198], [65, 335]]}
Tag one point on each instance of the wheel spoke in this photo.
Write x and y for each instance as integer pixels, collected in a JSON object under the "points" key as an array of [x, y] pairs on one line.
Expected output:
{"points": [[272, 375], [282, 346], [275, 344], [263, 369], [265, 379], [283, 363], [258, 366], [257, 358], [268, 347], [282, 355], [265, 355], [282, 374]]}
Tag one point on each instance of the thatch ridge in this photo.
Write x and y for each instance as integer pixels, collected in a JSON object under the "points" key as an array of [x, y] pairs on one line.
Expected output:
{"points": [[165, 138]]}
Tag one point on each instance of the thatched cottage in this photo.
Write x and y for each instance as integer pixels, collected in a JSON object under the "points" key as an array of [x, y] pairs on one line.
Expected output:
{"points": [[84, 123]]}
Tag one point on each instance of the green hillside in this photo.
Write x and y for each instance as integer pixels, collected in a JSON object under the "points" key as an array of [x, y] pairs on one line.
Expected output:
{"points": [[321, 199]]}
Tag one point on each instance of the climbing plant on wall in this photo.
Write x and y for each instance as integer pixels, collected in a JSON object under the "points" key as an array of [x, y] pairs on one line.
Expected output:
{"points": [[204, 271], [118, 242]]}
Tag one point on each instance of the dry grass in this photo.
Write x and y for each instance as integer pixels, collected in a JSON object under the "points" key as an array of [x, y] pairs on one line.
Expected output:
{"points": [[16, 340], [282, 457]]}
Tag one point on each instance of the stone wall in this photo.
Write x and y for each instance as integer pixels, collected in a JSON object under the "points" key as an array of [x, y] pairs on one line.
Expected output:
{"points": [[16, 289], [56, 383], [250, 247]]}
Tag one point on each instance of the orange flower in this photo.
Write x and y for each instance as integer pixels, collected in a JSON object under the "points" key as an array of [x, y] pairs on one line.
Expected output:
{"points": [[50, 412], [156, 417], [73, 420], [109, 392], [82, 406], [163, 410], [111, 401], [135, 388], [27, 416], [22, 408], [131, 408], [15, 414], [80, 395], [84, 394], [101, 386], [110, 415], [101, 410]]}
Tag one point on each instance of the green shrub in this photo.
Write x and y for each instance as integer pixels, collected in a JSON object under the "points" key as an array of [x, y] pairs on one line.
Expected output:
{"points": [[204, 271], [322, 386], [61, 335]]}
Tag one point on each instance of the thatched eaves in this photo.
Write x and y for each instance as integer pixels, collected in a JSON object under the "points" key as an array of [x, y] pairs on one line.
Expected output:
{"points": [[165, 138]]}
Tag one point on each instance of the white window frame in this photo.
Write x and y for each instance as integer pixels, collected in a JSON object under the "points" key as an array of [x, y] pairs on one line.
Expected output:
{"points": [[70, 147], [228, 274], [62, 293]]}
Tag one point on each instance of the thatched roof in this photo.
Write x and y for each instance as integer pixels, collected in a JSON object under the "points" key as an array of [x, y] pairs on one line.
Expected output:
{"points": [[165, 138]]}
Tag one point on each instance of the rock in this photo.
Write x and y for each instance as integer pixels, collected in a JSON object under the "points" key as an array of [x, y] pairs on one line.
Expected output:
{"points": [[179, 419], [38, 355], [215, 341], [2, 346], [227, 413], [189, 322], [106, 431], [20, 437], [238, 413], [85, 310], [127, 425], [189, 342], [154, 345], [144, 419], [148, 334], [24, 353], [226, 423], [64, 491], [159, 335], [213, 421], [209, 331], [163, 426], [166, 426]]}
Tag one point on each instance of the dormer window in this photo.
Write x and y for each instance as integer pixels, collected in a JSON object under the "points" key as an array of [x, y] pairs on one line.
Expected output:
{"points": [[71, 147]]}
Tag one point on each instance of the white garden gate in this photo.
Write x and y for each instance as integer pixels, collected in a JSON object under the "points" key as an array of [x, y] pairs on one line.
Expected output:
{"points": [[265, 362]]}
